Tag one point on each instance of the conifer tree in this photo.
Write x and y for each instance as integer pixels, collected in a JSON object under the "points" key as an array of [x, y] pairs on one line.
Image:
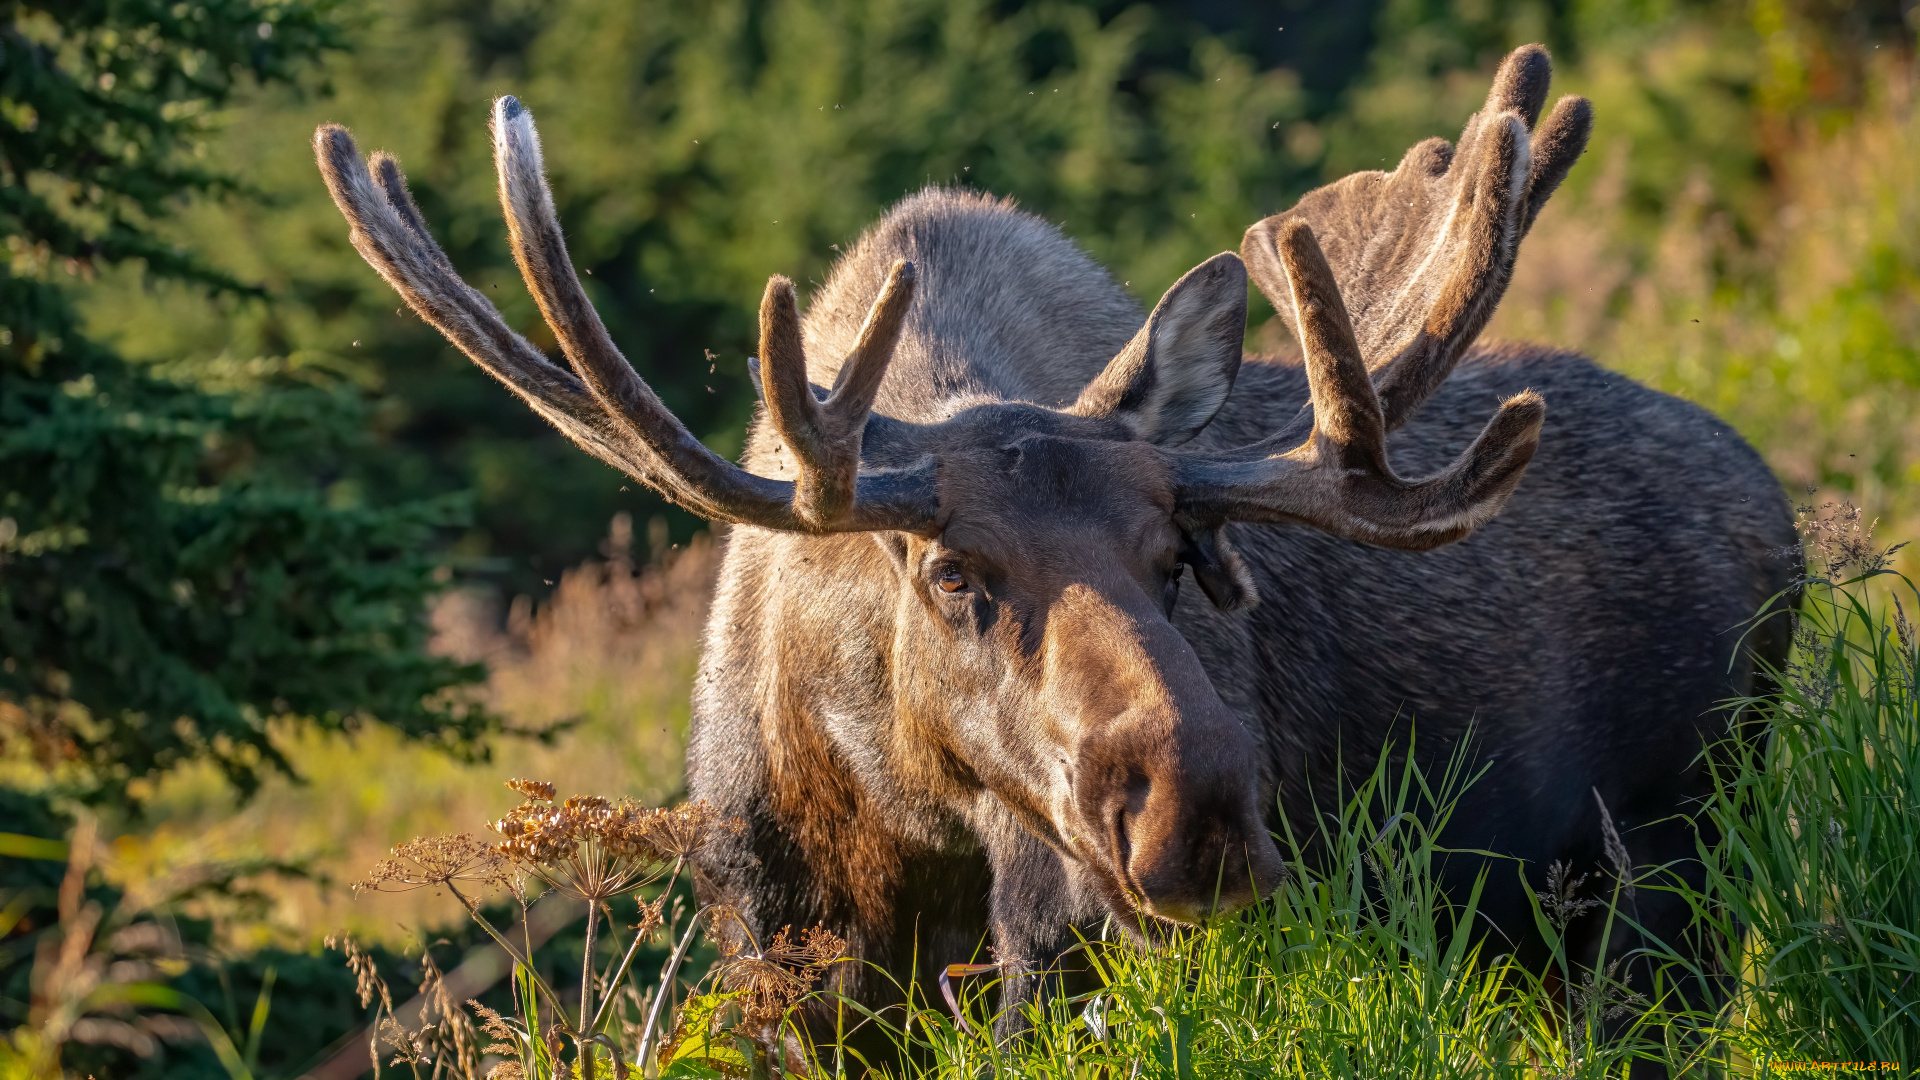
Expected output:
{"points": [[175, 569]]}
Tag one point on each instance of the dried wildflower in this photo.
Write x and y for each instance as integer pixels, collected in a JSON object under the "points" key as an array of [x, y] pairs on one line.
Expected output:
{"points": [[685, 829], [408, 1047], [537, 790], [1558, 901], [366, 976], [652, 917], [782, 973], [491, 1022], [586, 847], [1838, 544], [446, 1031], [437, 860], [496, 1026]]}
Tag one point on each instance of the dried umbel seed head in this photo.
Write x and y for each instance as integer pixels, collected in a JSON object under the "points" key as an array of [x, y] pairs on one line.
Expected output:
{"points": [[587, 847], [594, 848], [536, 835], [777, 977], [682, 831], [537, 790], [438, 860]]}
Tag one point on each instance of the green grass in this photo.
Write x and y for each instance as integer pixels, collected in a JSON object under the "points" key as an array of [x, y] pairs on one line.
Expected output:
{"points": [[1814, 886], [1812, 896], [1364, 970]]}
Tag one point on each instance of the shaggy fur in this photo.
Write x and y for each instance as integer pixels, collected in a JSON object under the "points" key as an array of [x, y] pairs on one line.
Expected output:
{"points": [[951, 683]]}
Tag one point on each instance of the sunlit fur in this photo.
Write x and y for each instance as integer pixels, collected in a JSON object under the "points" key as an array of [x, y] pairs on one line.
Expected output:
{"points": [[1067, 737]]}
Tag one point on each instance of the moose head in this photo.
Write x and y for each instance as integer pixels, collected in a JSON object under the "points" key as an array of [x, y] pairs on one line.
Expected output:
{"points": [[1025, 557]]}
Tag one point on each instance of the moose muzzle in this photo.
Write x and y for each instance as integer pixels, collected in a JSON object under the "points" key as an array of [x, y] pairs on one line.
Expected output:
{"points": [[1164, 777], [1176, 820]]}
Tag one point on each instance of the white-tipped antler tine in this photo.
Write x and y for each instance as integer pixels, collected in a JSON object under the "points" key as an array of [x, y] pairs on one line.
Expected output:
{"points": [[843, 501], [541, 253], [388, 233], [607, 408], [1339, 479], [826, 495]]}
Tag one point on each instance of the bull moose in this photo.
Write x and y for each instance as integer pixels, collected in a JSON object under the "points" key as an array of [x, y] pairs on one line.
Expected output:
{"points": [[951, 682]]}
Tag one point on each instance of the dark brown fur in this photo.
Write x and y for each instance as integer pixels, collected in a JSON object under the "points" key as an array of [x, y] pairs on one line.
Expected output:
{"points": [[951, 684]]}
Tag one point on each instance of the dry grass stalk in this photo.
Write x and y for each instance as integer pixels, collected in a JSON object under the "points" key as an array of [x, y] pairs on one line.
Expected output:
{"points": [[594, 849]]}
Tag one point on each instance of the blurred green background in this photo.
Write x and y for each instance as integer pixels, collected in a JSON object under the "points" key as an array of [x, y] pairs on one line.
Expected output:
{"points": [[258, 527]]}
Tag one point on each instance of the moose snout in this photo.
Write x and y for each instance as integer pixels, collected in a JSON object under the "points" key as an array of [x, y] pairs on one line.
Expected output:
{"points": [[1184, 840]]}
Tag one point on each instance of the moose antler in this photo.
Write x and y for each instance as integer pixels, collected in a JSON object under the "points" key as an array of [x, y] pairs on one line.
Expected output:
{"points": [[1339, 480], [1423, 254], [606, 407]]}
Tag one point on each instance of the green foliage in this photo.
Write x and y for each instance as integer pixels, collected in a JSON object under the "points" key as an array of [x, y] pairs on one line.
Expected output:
{"points": [[174, 567], [702, 1052], [1357, 965], [1814, 882], [102, 100]]}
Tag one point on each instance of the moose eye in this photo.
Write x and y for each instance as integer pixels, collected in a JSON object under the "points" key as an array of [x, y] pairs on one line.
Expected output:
{"points": [[951, 580]]}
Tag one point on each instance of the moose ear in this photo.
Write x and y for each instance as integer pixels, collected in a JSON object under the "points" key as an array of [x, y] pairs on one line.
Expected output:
{"points": [[1178, 370]]}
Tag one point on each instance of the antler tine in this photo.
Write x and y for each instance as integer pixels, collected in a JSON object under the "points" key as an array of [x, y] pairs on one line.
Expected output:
{"points": [[1347, 420], [1519, 87], [1486, 219], [635, 433], [1339, 480], [540, 252], [1425, 252], [825, 436], [819, 502], [1558, 142], [388, 234], [1474, 236], [385, 169]]}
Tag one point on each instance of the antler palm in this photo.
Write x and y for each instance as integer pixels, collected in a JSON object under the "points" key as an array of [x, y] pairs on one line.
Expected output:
{"points": [[1423, 254]]}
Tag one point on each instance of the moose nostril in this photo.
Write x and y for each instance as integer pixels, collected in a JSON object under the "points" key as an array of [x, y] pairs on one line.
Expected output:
{"points": [[1122, 840]]}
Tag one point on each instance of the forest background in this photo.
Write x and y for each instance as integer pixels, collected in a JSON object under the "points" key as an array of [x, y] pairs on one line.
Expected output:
{"points": [[284, 580]]}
